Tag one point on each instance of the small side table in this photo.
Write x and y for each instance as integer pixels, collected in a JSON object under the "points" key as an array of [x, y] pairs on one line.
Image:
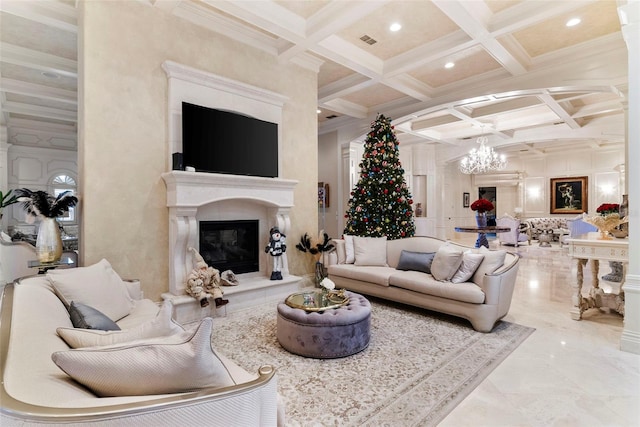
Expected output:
{"points": [[545, 237], [43, 267]]}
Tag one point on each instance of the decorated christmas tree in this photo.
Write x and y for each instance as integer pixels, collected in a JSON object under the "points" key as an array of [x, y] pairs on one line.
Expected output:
{"points": [[380, 204]]}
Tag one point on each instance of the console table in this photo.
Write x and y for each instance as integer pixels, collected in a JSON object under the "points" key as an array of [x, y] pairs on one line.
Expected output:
{"points": [[588, 247]]}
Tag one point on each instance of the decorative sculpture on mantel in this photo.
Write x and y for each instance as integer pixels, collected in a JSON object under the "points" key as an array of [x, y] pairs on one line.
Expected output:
{"points": [[276, 248], [203, 282]]}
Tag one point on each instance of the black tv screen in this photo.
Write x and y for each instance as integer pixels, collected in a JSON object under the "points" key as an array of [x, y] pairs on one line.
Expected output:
{"points": [[224, 142]]}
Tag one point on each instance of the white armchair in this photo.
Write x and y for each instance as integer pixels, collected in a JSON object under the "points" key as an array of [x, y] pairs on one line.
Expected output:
{"points": [[516, 235]]}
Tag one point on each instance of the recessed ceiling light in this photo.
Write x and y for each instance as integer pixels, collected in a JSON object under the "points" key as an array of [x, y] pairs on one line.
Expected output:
{"points": [[318, 111], [50, 75], [395, 27], [573, 22], [449, 65]]}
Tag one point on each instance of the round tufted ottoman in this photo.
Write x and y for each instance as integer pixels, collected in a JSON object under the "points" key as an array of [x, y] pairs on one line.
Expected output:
{"points": [[336, 332]]}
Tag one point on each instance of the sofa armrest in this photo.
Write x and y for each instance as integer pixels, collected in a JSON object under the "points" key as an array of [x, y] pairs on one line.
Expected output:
{"points": [[250, 403], [498, 287]]}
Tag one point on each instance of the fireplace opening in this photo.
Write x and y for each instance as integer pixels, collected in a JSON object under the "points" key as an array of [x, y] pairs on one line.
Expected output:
{"points": [[230, 245]]}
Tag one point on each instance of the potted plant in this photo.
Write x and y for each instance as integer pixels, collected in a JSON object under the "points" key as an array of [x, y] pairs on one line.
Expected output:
{"points": [[7, 199], [46, 208], [317, 250]]}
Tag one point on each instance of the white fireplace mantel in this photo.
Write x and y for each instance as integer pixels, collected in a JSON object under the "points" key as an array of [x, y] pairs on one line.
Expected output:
{"points": [[194, 189], [189, 192]]}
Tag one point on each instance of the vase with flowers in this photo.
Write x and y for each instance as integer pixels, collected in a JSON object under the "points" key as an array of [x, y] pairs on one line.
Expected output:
{"points": [[481, 207], [45, 208], [607, 218]]}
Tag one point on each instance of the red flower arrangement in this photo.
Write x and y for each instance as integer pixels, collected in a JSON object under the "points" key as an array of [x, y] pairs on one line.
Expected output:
{"points": [[608, 208], [482, 206]]}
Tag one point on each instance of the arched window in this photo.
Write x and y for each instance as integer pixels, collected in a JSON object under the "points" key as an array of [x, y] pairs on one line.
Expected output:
{"points": [[60, 184]]}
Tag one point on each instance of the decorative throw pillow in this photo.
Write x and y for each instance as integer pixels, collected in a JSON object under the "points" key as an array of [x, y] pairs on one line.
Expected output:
{"points": [[98, 286], [162, 325], [446, 262], [148, 367], [340, 250], [370, 251], [416, 261], [349, 249], [85, 317], [491, 262], [470, 263]]}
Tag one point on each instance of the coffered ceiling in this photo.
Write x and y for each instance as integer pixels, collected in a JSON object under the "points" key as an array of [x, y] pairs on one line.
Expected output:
{"points": [[522, 77]]}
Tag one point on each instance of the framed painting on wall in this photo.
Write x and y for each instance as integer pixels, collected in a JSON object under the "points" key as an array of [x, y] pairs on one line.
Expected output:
{"points": [[569, 195], [465, 200]]}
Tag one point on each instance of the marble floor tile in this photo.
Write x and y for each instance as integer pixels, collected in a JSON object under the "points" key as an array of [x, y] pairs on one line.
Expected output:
{"points": [[567, 373]]}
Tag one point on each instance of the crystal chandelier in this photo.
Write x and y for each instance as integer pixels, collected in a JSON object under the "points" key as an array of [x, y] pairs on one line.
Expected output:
{"points": [[483, 159]]}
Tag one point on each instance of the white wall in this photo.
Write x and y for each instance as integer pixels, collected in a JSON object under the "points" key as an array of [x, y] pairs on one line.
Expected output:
{"points": [[123, 130], [34, 168], [329, 162]]}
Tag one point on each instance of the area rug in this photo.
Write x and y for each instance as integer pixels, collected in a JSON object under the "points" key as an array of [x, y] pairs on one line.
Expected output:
{"points": [[419, 365]]}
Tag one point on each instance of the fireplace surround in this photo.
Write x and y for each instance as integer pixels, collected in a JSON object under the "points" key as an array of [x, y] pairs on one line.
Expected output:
{"points": [[193, 197]]}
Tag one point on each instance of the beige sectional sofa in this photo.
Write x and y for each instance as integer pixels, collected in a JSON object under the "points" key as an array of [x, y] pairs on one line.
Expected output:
{"points": [[373, 268], [36, 391]]}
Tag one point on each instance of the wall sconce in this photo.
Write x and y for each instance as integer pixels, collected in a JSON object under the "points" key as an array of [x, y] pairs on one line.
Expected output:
{"points": [[533, 192], [607, 189]]}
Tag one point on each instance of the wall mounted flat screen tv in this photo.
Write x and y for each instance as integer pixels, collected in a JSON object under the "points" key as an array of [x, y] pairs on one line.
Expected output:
{"points": [[224, 142]]}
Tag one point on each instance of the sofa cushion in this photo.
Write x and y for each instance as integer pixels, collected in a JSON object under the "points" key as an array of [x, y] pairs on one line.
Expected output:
{"points": [[375, 275], [86, 317], [470, 263], [415, 261], [155, 366], [162, 325], [423, 283], [370, 251], [491, 262], [341, 253], [350, 255], [97, 286], [446, 262]]}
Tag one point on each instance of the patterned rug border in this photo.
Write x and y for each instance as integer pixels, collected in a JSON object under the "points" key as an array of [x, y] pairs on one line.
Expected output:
{"points": [[459, 360]]}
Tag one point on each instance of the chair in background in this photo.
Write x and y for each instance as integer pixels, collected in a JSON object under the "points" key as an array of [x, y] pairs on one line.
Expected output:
{"points": [[514, 237], [577, 227]]}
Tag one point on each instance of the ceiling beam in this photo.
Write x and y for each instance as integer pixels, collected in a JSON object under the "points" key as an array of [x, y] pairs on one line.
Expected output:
{"points": [[51, 13], [469, 17], [30, 58], [39, 111], [39, 91], [559, 110]]}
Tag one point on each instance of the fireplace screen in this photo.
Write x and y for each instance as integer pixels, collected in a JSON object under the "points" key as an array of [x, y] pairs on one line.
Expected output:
{"points": [[230, 245]]}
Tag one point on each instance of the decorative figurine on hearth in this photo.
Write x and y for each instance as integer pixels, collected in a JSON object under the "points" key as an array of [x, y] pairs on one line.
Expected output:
{"points": [[203, 282], [276, 248]]}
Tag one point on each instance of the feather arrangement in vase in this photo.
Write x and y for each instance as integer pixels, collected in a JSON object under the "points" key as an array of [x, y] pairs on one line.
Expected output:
{"points": [[40, 204], [44, 207]]}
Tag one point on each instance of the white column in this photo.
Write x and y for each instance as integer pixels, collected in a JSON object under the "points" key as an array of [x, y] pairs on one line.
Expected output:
{"points": [[630, 19]]}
